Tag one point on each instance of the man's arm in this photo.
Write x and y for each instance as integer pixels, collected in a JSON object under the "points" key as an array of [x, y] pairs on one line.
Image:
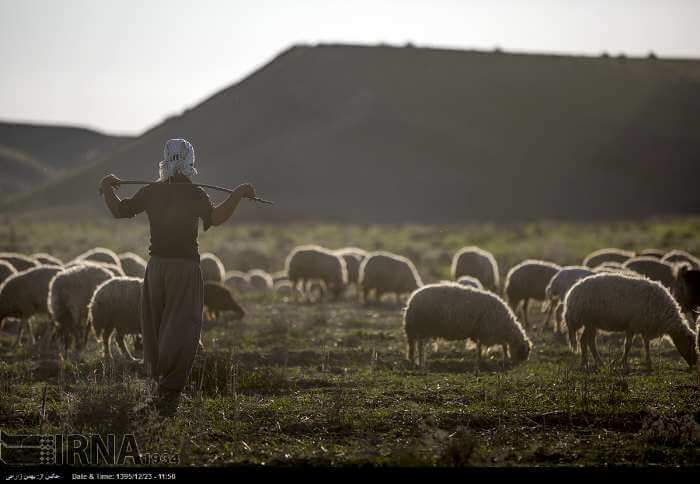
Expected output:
{"points": [[223, 211], [111, 199]]}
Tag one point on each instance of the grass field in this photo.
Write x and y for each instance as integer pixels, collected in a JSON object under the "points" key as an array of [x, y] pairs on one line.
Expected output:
{"points": [[328, 384]]}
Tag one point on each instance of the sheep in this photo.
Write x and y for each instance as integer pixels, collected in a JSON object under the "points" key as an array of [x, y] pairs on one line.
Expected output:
{"points": [[676, 256], [70, 292], [353, 258], [283, 288], [279, 276], [607, 255], [528, 280], [476, 262], [115, 271], [470, 281], [115, 306], [133, 264], [260, 280], [556, 290], [99, 254], [20, 262], [24, 294], [654, 269], [237, 280], [47, 259], [315, 262], [688, 289], [212, 267], [454, 312], [656, 253], [218, 298], [629, 304], [6, 270], [387, 273]]}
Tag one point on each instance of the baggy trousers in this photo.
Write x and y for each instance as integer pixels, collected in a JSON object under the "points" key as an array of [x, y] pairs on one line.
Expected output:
{"points": [[171, 319]]}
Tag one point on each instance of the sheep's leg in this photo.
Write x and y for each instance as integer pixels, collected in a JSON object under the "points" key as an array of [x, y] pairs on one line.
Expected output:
{"points": [[629, 338], [122, 346], [527, 321], [584, 348], [106, 349], [505, 352], [421, 352], [32, 339], [19, 334], [647, 353], [594, 348], [478, 354], [550, 311]]}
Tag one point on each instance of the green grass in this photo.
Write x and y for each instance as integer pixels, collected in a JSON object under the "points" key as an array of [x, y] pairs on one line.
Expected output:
{"points": [[328, 384]]}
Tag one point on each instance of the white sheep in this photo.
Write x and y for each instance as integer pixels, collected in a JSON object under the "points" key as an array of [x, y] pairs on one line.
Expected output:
{"points": [[656, 253], [476, 262], [20, 262], [676, 256], [115, 270], [654, 269], [556, 290], [24, 294], [260, 280], [528, 280], [237, 280], [387, 273], [310, 262], [47, 259], [455, 312], [600, 256], [70, 292], [115, 306], [133, 264], [212, 267], [99, 254], [629, 304]]}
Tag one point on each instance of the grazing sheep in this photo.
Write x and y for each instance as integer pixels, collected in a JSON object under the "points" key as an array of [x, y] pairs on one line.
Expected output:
{"points": [[99, 254], [218, 298], [387, 273], [70, 292], [470, 281], [6, 270], [24, 294], [607, 255], [47, 259], [688, 289], [133, 264], [260, 280], [20, 262], [656, 253], [115, 271], [654, 269], [476, 262], [557, 288], [115, 306], [353, 258], [307, 262], [528, 280], [237, 280], [283, 288], [454, 312], [212, 267], [279, 276], [676, 256], [620, 303]]}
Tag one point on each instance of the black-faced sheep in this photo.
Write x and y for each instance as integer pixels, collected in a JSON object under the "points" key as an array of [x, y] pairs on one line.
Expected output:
{"points": [[212, 267], [47, 259], [260, 280], [308, 262], [455, 312], [20, 262], [654, 269], [99, 254], [528, 280], [115, 306], [237, 280], [557, 288], [70, 292], [600, 256], [387, 273], [633, 305], [676, 256], [218, 298], [476, 262], [24, 294], [133, 264]]}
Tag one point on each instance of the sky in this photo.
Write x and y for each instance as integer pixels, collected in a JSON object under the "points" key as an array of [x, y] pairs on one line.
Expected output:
{"points": [[123, 67]]}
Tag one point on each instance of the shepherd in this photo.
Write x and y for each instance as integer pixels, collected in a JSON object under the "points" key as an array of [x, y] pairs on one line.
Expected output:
{"points": [[173, 289]]}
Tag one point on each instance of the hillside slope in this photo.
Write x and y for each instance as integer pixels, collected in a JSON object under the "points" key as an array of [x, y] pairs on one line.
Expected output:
{"points": [[385, 134]]}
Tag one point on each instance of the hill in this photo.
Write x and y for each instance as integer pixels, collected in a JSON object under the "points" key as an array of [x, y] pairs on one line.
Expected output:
{"points": [[386, 134]]}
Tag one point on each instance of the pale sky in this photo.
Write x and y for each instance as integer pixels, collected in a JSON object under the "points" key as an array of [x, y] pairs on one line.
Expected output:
{"points": [[124, 66]]}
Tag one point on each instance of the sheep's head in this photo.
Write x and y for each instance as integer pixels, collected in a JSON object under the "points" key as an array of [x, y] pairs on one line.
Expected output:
{"points": [[519, 352], [684, 340]]}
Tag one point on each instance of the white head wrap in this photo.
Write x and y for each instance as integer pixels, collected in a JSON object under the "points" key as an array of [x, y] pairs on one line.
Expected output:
{"points": [[178, 157]]}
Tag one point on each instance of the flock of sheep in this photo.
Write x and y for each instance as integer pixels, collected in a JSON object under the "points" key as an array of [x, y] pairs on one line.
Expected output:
{"points": [[651, 293]]}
